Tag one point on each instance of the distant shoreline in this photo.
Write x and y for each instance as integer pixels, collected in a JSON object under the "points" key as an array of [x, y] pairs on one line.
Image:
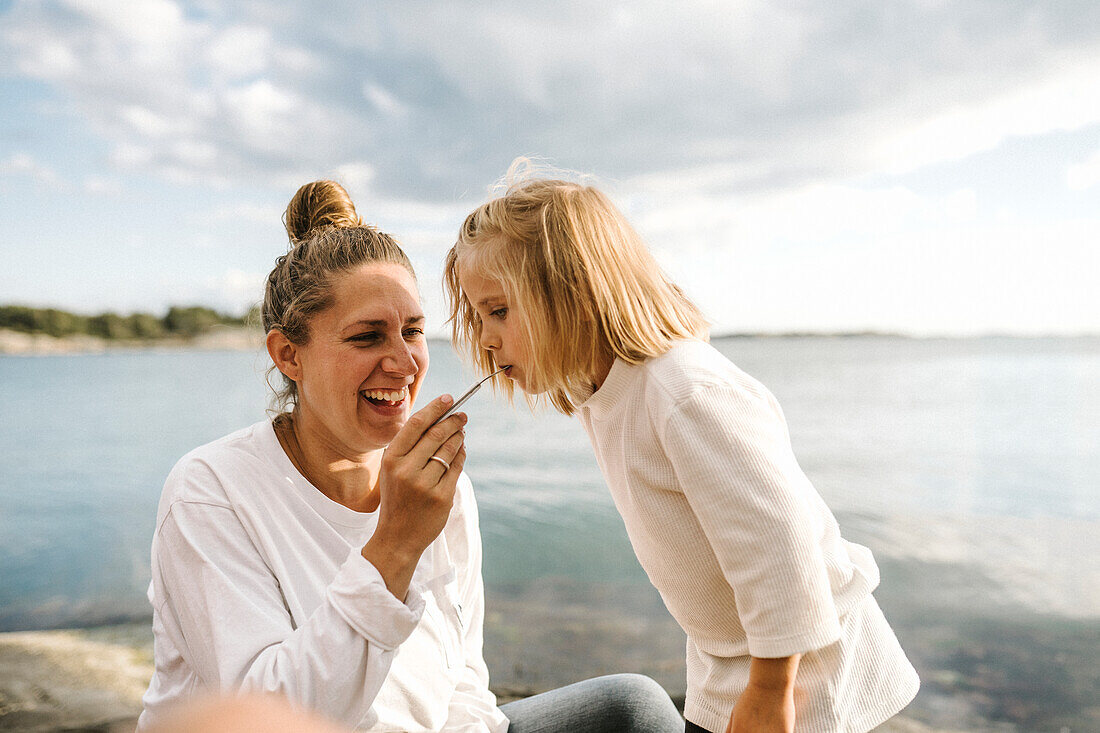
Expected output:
{"points": [[218, 338], [237, 338]]}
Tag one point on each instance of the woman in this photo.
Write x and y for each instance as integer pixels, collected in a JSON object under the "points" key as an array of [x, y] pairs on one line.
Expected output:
{"points": [[332, 554]]}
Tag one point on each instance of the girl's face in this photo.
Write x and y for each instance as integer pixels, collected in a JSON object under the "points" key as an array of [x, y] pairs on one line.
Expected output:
{"points": [[365, 360], [501, 332]]}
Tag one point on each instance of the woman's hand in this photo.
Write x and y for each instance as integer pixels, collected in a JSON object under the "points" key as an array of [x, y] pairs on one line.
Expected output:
{"points": [[767, 704], [416, 491]]}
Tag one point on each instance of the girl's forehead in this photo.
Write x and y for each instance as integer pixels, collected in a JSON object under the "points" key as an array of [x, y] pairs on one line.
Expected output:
{"points": [[479, 286], [486, 258]]}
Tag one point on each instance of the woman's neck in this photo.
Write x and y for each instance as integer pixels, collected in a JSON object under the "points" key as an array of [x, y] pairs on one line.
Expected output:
{"points": [[348, 480]]}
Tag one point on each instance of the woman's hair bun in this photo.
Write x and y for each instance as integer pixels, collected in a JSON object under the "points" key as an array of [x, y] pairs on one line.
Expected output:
{"points": [[319, 204]]}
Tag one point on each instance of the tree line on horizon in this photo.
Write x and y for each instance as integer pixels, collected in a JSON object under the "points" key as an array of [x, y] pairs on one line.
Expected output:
{"points": [[177, 322]]}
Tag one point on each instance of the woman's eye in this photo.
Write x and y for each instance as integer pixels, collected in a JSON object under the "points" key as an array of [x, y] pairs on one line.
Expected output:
{"points": [[365, 338], [411, 333], [498, 312]]}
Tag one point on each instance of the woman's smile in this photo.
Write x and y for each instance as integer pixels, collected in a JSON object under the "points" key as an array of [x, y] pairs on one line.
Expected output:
{"points": [[387, 402]]}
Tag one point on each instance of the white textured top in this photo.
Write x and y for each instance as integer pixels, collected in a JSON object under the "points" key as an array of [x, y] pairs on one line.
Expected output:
{"points": [[744, 551], [259, 584]]}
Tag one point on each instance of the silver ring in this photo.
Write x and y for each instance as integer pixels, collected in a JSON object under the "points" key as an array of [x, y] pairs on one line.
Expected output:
{"points": [[446, 466]]}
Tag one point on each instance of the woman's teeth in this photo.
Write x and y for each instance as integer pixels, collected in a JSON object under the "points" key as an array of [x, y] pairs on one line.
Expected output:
{"points": [[381, 395]]}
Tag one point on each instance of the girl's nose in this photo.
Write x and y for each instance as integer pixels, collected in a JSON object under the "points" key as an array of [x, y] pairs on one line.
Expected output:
{"points": [[488, 340]]}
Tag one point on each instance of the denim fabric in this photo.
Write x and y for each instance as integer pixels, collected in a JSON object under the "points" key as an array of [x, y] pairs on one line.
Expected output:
{"points": [[618, 703]]}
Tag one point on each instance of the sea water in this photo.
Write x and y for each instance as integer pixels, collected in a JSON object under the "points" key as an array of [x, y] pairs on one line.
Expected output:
{"points": [[971, 467]]}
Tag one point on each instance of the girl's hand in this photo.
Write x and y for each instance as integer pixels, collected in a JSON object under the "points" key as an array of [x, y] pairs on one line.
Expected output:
{"points": [[770, 711], [767, 704], [416, 491]]}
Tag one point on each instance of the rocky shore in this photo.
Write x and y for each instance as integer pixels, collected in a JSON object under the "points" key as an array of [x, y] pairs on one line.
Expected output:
{"points": [[88, 680], [92, 680]]}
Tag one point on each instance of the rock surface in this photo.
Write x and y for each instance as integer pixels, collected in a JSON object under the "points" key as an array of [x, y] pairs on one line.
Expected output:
{"points": [[73, 680], [92, 680]]}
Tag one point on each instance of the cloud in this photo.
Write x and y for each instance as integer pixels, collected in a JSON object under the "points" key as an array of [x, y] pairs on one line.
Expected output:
{"points": [[241, 51], [384, 101], [234, 290], [438, 98], [23, 165], [172, 93], [247, 212], [145, 122], [356, 177], [839, 257], [1084, 175], [101, 186], [766, 150], [1065, 99], [152, 25], [788, 95], [263, 114]]}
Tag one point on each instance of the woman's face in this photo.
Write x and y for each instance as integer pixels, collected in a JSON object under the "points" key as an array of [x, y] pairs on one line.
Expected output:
{"points": [[365, 360]]}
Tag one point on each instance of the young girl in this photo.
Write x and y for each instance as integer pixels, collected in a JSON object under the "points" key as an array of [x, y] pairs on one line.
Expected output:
{"points": [[783, 632]]}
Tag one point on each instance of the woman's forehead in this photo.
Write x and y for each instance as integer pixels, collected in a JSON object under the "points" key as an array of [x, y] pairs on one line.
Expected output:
{"points": [[378, 291], [379, 276]]}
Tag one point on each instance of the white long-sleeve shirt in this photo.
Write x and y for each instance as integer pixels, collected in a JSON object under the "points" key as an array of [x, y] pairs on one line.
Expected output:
{"points": [[745, 553], [258, 584]]}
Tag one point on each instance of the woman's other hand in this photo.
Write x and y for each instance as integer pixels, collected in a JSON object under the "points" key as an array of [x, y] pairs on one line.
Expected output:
{"points": [[420, 470]]}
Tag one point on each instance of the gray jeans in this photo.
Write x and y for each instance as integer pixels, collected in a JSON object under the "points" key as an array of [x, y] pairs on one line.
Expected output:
{"points": [[618, 703]]}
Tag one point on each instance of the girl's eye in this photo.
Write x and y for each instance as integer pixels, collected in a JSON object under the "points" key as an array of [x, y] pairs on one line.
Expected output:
{"points": [[499, 312]]}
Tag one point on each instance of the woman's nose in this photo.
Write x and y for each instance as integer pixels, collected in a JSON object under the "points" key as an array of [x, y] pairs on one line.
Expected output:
{"points": [[400, 361]]}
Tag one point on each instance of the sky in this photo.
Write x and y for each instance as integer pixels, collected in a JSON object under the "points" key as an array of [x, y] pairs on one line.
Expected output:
{"points": [[930, 167]]}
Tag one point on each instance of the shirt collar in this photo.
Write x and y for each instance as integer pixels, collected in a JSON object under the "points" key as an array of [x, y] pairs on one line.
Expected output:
{"points": [[615, 387]]}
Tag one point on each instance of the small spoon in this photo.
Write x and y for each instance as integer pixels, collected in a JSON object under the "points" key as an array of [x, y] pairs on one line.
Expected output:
{"points": [[469, 393]]}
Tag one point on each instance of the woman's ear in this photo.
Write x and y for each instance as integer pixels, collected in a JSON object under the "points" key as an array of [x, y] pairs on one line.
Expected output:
{"points": [[284, 354]]}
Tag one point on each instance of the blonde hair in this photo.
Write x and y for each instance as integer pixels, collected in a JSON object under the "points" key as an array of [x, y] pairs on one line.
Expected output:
{"points": [[327, 238], [579, 278]]}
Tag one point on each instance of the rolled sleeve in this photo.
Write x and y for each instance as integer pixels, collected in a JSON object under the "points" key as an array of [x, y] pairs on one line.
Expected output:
{"points": [[731, 454], [359, 595], [227, 616]]}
